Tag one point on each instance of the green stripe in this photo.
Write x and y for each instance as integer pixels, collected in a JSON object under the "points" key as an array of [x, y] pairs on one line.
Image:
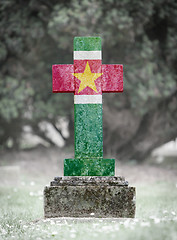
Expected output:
{"points": [[87, 44], [89, 167], [88, 131]]}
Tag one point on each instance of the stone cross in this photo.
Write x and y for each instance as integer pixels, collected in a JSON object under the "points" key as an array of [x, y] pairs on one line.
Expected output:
{"points": [[88, 78]]}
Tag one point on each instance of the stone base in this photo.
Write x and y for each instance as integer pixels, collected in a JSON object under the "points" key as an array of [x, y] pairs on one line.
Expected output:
{"points": [[89, 197]]}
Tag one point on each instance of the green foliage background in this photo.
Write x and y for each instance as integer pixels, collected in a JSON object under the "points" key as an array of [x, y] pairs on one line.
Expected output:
{"points": [[36, 34]]}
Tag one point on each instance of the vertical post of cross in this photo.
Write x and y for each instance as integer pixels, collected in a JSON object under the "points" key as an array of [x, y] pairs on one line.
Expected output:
{"points": [[88, 101], [88, 112]]}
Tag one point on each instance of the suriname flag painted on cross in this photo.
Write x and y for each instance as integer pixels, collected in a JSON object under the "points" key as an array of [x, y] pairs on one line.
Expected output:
{"points": [[88, 78]]}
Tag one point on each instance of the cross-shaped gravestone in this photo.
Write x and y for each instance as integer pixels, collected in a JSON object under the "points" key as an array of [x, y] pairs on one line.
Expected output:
{"points": [[88, 187], [88, 78]]}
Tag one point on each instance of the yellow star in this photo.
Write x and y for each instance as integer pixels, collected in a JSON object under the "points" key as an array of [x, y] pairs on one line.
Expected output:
{"points": [[87, 78]]}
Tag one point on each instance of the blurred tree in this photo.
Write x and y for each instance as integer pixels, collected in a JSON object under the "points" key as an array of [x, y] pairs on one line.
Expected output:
{"points": [[141, 35]]}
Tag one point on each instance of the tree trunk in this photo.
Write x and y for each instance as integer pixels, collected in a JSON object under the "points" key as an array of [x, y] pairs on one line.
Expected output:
{"points": [[156, 127]]}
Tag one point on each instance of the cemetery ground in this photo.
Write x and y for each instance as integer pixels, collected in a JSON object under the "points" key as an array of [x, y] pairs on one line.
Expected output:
{"points": [[24, 174]]}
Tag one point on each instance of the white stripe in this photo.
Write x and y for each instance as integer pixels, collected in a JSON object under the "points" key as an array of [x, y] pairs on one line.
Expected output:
{"points": [[86, 99], [91, 55]]}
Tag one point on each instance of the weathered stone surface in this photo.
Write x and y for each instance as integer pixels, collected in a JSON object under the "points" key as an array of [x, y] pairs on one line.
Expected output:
{"points": [[89, 197], [89, 180]]}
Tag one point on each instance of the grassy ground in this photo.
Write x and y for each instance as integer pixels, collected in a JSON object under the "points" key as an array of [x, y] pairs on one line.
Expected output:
{"points": [[21, 203]]}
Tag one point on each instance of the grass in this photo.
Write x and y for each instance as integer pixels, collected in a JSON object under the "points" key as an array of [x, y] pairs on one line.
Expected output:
{"points": [[21, 216]]}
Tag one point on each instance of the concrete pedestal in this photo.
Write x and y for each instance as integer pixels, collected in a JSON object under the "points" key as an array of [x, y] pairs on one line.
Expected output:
{"points": [[103, 197]]}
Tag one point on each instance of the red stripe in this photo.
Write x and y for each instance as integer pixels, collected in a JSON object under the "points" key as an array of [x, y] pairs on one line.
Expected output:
{"points": [[112, 78], [63, 80], [110, 81]]}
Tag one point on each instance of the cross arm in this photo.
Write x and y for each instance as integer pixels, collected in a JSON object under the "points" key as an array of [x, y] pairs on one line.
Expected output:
{"points": [[63, 80], [112, 78]]}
